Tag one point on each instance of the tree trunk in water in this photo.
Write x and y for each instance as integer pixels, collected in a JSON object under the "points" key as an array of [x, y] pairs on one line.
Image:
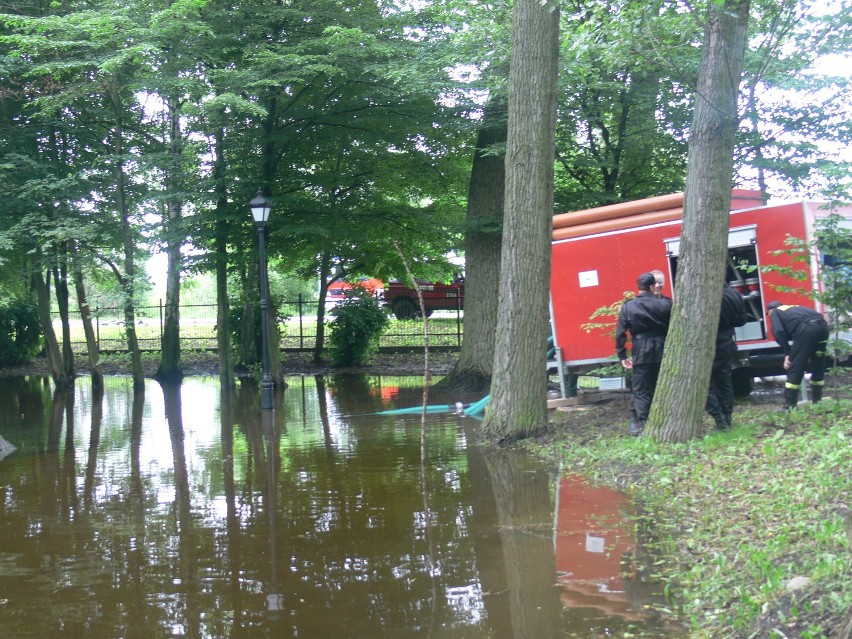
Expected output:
{"points": [[223, 307], [518, 406], [223, 313], [60, 284], [472, 371], [126, 281], [92, 349], [324, 274], [678, 408], [525, 515], [169, 371], [248, 332], [275, 369], [51, 344], [137, 371], [487, 544]]}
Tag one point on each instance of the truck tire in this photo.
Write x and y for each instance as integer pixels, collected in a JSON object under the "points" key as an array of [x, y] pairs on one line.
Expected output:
{"points": [[743, 381], [404, 308]]}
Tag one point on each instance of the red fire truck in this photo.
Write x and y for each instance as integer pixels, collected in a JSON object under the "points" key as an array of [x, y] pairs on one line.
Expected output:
{"points": [[402, 300], [598, 254]]}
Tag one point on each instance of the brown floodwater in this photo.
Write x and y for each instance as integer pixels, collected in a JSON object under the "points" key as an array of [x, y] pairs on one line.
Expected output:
{"points": [[189, 512]]}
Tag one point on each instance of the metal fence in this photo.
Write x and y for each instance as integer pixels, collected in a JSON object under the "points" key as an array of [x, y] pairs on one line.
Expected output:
{"points": [[297, 328]]}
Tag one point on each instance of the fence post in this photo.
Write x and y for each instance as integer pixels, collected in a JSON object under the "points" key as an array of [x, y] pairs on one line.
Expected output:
{"points": [[301, 331], [98, 326], [161, 320], [458, 321]]}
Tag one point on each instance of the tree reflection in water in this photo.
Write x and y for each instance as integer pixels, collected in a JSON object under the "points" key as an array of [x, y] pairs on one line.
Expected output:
{"points": [[188, 511]]}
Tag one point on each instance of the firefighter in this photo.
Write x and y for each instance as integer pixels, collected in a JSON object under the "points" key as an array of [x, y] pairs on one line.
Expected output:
{"points": [[646, 318], [808, 332], [720, 395]]}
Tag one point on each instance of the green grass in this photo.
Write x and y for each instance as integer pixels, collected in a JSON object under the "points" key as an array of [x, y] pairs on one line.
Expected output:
{"points": [[744, 512]]}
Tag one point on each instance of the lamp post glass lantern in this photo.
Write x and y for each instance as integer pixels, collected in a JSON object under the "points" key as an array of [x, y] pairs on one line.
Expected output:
{"points": [[260, 209]]}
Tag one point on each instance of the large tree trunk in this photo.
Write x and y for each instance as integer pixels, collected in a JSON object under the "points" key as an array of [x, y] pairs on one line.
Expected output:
{"points": [[472, 371], [518, 406], [678, 408], [169, 371], [51, 344], [92, 350]]}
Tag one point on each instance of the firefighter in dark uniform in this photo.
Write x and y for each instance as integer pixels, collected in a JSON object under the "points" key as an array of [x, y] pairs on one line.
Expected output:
{"points": [[808, 332], [720, 395], [646, 318]]}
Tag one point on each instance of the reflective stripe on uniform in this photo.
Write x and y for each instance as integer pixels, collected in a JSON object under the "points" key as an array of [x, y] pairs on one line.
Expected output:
{"points": [[819, 383], [789, 385]]}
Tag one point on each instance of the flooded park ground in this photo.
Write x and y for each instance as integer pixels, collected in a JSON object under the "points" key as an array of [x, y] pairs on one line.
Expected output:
{"points": [[192, 513]]}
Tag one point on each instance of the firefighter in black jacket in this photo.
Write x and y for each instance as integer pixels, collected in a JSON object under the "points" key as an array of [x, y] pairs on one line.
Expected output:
{"points": [[808, 331], [720, 395], [646, 318]]}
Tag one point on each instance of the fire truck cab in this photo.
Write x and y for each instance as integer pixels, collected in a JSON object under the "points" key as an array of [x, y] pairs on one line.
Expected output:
{"points": [[599, 253]]}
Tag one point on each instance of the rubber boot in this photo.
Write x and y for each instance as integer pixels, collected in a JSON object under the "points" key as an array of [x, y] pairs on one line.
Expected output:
{"points": [[721, 422], [791, 399], [816, 393], [728, 420], [636, 427]]}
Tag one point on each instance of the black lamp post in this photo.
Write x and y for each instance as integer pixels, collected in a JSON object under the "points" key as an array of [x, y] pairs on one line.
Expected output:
{"points": [[260, 208]]}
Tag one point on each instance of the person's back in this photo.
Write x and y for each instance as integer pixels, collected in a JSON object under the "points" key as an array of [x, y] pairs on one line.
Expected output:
{"points": [[808, 332], [647, 319], [732, 313], [788, 320]]}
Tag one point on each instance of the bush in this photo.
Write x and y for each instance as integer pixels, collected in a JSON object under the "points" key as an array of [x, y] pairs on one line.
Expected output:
{"points": [[355, 330], [20, 332]]}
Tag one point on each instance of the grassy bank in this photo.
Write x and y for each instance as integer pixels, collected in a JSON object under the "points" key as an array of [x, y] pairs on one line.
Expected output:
{"points": [[740, 513]]}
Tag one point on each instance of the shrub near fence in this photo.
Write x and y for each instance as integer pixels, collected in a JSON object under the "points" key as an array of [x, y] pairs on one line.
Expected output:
{"points": [[298, 332]]}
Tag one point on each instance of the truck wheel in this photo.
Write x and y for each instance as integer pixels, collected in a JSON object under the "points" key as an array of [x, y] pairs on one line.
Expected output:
{"points": [[404, 309], [743, 381]]}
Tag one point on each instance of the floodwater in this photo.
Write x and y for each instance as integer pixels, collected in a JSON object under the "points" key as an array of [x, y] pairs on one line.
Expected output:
{"points": [[192, 513]]}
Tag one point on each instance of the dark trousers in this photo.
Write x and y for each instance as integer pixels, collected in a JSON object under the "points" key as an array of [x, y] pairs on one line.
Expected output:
{"points": [[720, 394], [808, 352], [644, 385]]}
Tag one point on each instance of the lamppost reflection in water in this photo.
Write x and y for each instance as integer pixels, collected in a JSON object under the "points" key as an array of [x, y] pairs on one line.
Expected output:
{"points": [[274, 599]]}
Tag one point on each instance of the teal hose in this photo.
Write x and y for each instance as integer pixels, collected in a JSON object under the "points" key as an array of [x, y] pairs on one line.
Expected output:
{"points": [[474, 410], [434, 408], [477, 408]]}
